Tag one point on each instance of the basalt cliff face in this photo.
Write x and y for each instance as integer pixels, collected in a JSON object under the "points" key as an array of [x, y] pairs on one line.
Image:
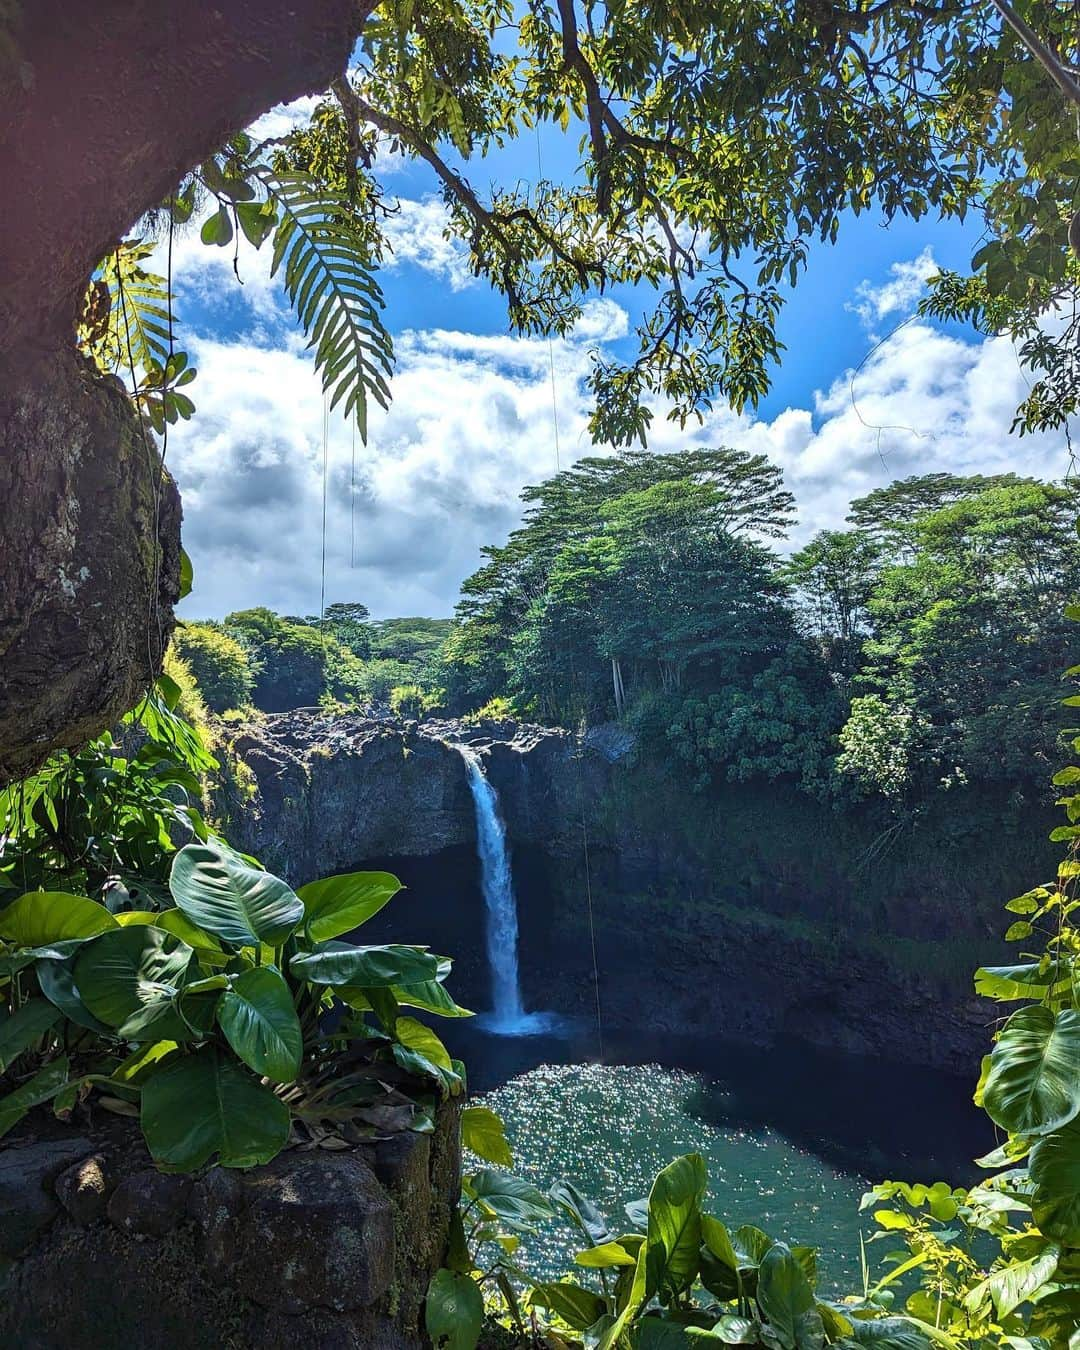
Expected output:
{"points": [[747, 913]]}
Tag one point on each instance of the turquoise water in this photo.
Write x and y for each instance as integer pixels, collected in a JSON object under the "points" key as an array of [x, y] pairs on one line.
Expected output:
{"points": [[611, 1128]]}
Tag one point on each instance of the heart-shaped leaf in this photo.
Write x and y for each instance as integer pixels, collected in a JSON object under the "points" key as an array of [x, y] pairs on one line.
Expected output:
{"points": [[454, 1311], [337, 905], [42, 917], [674, 1231], [260, 1023], [196, 1106], [222, 894], [130, 979], [365, 967], [1034, 1081]]}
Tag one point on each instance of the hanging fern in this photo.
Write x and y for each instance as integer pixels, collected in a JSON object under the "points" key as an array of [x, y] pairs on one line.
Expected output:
{"points": [[330, 284], [125, 318]]}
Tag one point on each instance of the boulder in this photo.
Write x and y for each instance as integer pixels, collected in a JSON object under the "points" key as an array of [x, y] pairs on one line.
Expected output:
{"points": [[27, 1201]]}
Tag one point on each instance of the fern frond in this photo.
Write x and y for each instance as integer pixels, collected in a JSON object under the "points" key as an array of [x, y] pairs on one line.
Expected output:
{"points": [[330, 283], [125, 317]]}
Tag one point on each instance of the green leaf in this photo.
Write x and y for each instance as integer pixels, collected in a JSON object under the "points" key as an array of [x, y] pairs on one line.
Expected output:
{"points": [[482, 1133], [674, 1232], [57, 982], [783, 1294], [657, 1333], [453, 1311], [44, 1085], [608, 1254], [257, 219], [41, 917], [887, 1333], [578, 1307], [222, 894], [509, 1199], [130, 979], [187, 575], [1015, 1282], [1055, 1171], [339, 904], [1006, 983], [217, 229], [196, 1106], [365, 967], [581, 1210], [733, 1330], [1034, 1081], [21, 1029], [432, 997], [720, 1264], [258, 1018]]}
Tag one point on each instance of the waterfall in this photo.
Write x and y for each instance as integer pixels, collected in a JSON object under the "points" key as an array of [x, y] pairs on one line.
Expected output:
{"points": [[508, 1015]]}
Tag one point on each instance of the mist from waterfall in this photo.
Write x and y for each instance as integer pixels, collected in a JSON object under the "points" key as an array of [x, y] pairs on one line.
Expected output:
{"points": [[508, 1016]]}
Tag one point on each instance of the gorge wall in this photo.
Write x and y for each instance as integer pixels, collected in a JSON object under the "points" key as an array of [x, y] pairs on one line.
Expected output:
{"points": [[750, 913]]}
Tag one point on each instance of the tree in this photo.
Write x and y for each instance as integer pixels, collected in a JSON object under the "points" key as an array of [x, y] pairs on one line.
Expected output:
{"points": [[969, 636], [833, 577], [219, 663], [350, 623], [717, 142]]}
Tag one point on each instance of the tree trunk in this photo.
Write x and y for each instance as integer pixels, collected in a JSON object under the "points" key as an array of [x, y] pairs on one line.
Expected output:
{"points": [[103, 108]]}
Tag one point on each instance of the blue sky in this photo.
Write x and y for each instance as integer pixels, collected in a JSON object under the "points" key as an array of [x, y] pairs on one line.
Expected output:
{"points": [[472, 420]]}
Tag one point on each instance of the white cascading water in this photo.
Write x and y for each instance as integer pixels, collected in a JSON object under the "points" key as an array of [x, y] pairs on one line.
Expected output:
{"points": [[508, 1015]]}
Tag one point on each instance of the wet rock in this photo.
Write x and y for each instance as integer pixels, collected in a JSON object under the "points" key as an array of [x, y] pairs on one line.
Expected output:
{"points": [[318, 1232], [149, 1202], [27, 1202], [83, 1190]]}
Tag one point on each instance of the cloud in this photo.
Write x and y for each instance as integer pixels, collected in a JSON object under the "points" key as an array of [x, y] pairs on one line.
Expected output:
{"points": [[475, 417], [417, 234], [898, 295]]}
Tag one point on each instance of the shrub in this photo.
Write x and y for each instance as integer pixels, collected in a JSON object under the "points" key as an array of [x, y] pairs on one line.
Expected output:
{"points": [[219, 663]]}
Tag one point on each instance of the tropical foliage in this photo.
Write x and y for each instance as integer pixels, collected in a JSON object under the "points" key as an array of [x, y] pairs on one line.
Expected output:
{"points": [[229, 1022]]}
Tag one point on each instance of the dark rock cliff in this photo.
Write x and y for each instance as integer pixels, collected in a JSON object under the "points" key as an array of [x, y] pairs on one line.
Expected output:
{"points": [[748, 913]]}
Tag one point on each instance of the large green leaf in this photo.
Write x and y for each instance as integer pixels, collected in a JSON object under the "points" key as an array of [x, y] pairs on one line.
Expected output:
{"points": [[41, 917], [339, 904], [1055, 1171], [196, 1106], [1015, 1281], [720, 1263], [130, 978], [257, 1015], [784, 1294], [44, 1085], [887, 1333], [482, 1133], [57, 983], [582, 1211], [431, 996], [674, 1233], [1034, 1081], [453, 1311], [578, 1307], [514, 1202], [25, 1026], [222, 894], [365, 967]]}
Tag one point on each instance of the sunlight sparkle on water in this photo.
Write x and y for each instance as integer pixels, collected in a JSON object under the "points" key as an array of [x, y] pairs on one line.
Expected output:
{"points": [[610, 1129]]}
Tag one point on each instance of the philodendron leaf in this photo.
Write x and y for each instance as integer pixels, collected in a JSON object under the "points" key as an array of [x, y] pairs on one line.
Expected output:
{"points": [[42, 917], [130, 978], [784, 1294], [582, 1211], [674, 1232], [514, 1202], [365, 967], [886, 1333], [1033, 1085], [222, 894], [483, 1134], [578, 1307], [1055, 1170], [453, 1311], [257, 1015], [339, 904], [28, 1024], [196, 1106]]}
